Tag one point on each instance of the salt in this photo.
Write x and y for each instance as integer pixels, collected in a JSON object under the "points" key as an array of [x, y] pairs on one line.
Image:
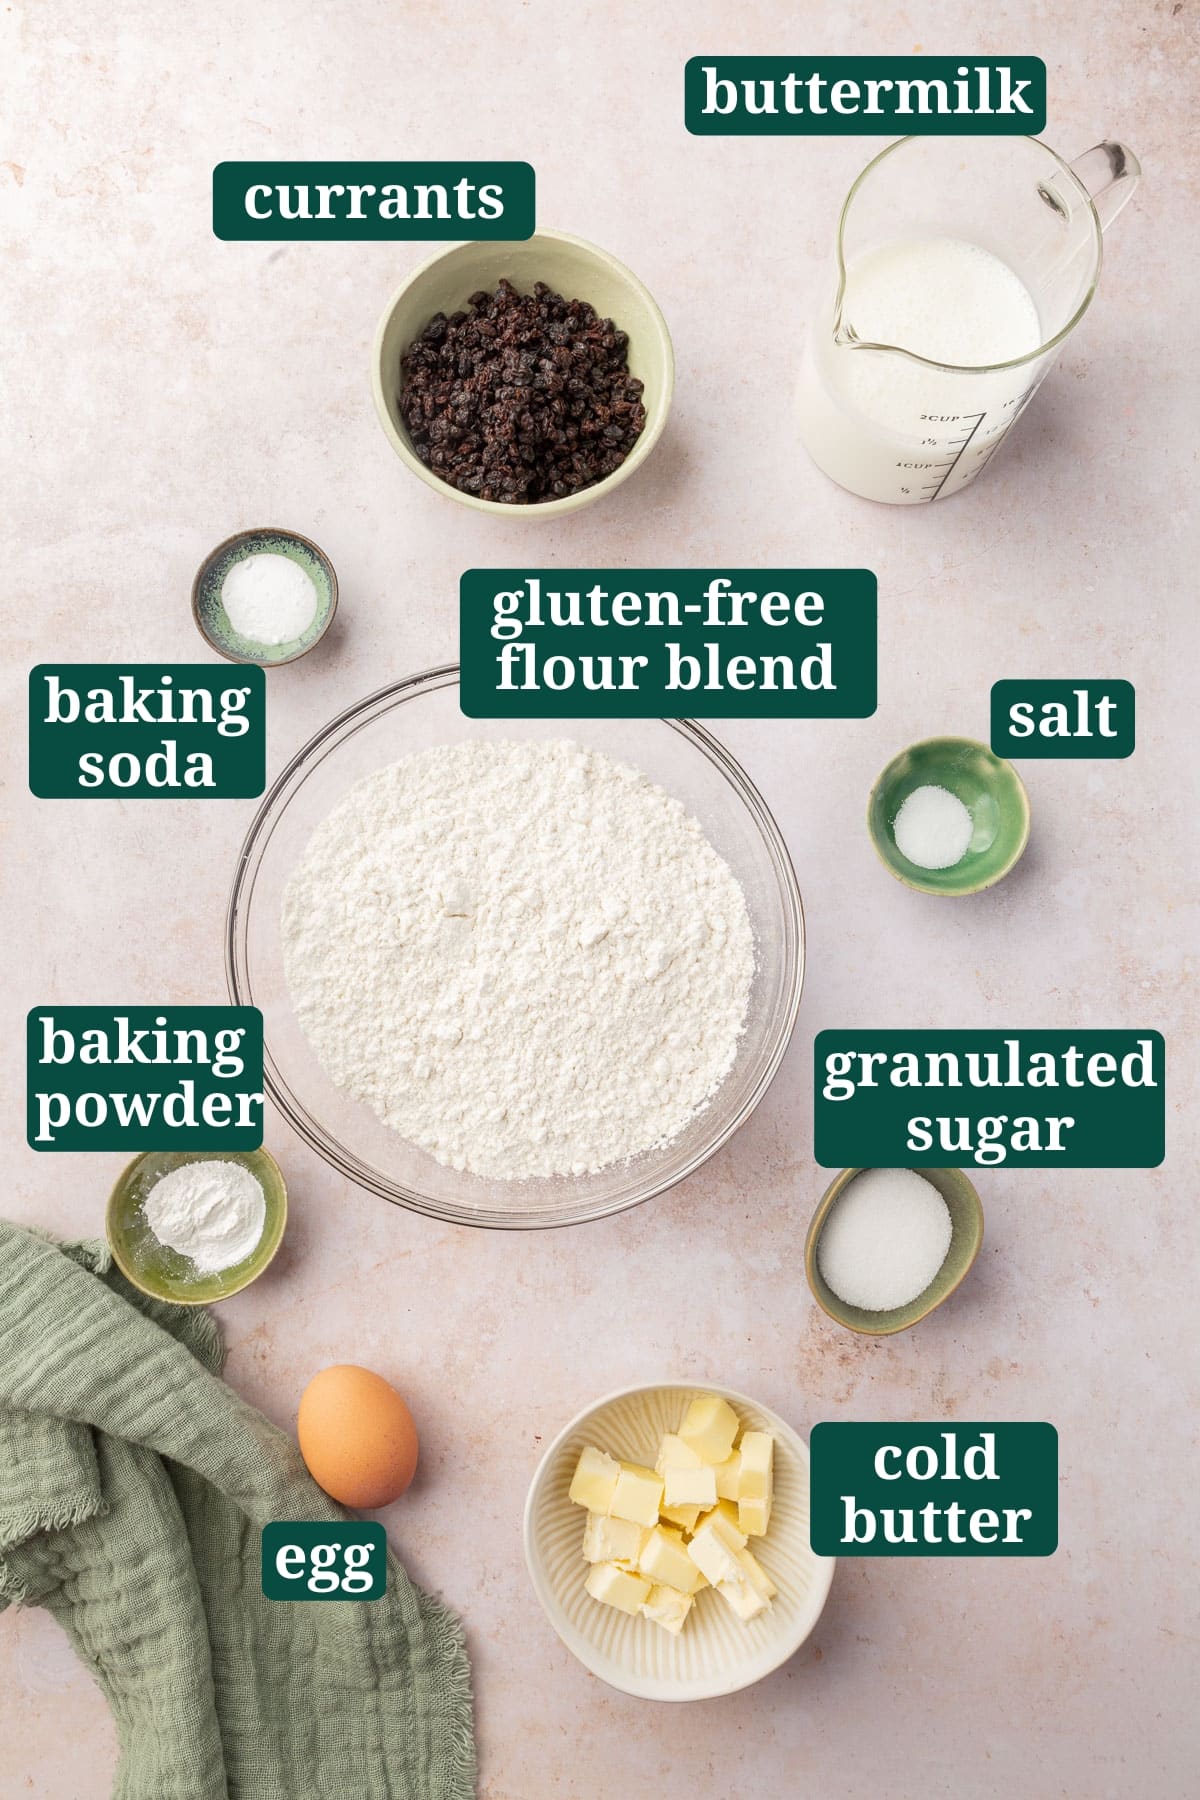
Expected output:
{"points": [[269, 599], [933, 828], [885, 1239]]}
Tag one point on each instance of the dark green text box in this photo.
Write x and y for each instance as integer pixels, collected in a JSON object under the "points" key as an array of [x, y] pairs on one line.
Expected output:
{"points": [[670, 643], [877, 1104], [301, 201], [861, 96], [144, 1078], [319, 1560], [945, 1489], [1063, 718], [146, 731]]}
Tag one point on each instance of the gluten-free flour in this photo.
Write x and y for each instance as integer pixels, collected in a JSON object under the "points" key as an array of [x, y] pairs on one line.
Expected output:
{"points": [[525, 957]]}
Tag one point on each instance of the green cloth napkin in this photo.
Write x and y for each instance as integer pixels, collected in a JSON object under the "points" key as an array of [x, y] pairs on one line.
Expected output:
{"points": [[133, 1487]]}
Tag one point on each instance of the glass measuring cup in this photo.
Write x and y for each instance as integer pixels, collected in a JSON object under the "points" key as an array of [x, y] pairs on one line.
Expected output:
{"points": [[900, 425]]}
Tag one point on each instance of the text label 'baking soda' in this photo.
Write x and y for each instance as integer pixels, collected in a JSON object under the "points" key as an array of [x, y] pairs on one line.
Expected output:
{"points": [[324, 1559], [668, 643], [1031, 1099], [864, 96], [146, 731], [1063, 718], [144, 1078], [364, 202], [934, 1490]]}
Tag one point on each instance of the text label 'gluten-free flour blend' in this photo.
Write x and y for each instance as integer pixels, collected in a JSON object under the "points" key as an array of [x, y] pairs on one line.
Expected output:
{"points": [[525, 957]]}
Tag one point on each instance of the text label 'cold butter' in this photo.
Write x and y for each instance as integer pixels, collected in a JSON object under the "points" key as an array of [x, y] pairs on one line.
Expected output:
{"points": [[933, 1490], [144, 1078], [145, 731], [1031, 1099], [845, 96], [668, 643]]}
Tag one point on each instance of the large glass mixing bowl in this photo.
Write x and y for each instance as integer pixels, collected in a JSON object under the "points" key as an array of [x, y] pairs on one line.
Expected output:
{"points": [[416, 715]]}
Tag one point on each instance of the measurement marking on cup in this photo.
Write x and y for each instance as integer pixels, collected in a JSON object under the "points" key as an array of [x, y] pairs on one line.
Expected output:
{"points": [[933, 489]]}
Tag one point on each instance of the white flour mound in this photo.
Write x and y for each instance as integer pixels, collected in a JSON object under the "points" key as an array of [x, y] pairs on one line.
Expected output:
{"points": [[525, 957]]}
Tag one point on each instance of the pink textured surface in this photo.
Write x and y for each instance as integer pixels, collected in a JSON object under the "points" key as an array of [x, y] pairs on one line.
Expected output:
{"points": [[164, 389]]}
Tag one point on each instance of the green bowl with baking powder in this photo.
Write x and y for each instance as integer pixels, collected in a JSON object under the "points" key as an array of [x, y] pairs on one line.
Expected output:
{"points": [[966, 1236], [164, 1274], [990, 789], [212, 621]]}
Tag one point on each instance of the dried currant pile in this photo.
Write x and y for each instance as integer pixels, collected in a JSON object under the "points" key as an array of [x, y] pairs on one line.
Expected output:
{"points": [[522, 398]]}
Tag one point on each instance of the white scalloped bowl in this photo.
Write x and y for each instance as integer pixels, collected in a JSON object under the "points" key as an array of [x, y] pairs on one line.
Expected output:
{"points": [[715, 1653]]}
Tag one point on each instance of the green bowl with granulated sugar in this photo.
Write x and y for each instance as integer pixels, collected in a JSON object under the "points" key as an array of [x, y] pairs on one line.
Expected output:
{"points": [[162, 1272], [208, 609]]}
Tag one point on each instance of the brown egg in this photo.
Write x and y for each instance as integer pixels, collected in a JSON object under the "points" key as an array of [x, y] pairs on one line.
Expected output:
{"points": [[357, 1436]]}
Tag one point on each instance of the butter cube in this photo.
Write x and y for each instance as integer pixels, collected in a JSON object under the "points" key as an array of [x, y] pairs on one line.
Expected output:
{"points": [[755, 1484], [746, 1602], [709, 1428], [673, 1453], [754, 1574], [664, 1558], [753, 1590], [714, 1550], [690, 1487], [683, 1516], [667, 1608], [637, 1495], [617, 1587], [595, 1480], [727, 1477], [612, 1540], [727, 1509]]}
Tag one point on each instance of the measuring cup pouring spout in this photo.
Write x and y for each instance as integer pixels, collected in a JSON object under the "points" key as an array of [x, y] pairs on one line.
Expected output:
{"points": [[961, 269]]}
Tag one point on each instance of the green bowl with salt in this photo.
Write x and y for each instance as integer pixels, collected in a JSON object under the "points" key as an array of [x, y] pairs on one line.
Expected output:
{"points": [[163, 1273], [988, 787], [208, 604]]}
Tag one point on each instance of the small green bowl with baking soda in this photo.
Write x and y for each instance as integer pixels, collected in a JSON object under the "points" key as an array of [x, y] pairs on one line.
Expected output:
{"points": [[164, 1273], [957, 770], [279, 578]]}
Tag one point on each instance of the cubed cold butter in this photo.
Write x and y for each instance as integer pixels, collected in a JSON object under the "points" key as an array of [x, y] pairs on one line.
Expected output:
{"points": [[690, 1487], [755, 1485], [637, 1495], [617, 1587], [745, 1600], [714, 1548], [754, 1573], [664, 1558], [728, 1511], [673, 1453], [668, 1608], [683, 1516], [612, 1540], [749, 1590], [727, 1477], [595, 1480], [709, 1428]]}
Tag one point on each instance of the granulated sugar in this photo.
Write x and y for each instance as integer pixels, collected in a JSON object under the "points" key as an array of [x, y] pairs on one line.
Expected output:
{"points": [[885, 1239], [525, 957], [933, 828]]}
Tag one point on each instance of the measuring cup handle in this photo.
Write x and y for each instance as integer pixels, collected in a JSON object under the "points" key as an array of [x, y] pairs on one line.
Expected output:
{"points": [[1110, 172]]}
